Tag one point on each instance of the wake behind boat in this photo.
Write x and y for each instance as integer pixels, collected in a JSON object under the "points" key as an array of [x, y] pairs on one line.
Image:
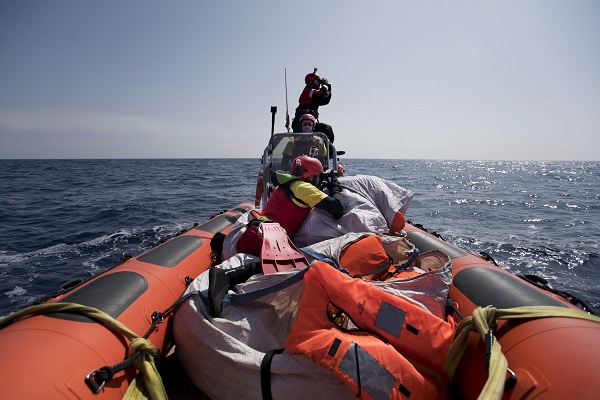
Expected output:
{"points": [[384, 310]]}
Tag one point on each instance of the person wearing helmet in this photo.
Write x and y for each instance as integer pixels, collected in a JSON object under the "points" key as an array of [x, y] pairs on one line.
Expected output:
{"points": [[291, 202], [312, 146], [308, 123], [316, 93]]}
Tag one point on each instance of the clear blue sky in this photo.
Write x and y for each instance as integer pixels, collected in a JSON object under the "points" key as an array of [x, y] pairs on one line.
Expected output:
{"points": [[411, 79]]}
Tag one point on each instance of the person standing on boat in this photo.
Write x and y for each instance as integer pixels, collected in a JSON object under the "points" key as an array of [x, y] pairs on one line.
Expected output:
{"points": [[296, 195], [316, 93]]}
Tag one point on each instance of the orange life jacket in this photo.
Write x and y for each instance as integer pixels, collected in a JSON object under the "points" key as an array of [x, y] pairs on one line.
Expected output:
{"points": [[397, 351]]}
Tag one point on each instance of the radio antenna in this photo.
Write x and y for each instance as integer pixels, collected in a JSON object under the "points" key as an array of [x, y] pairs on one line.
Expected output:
{"points": [[287, 114]]}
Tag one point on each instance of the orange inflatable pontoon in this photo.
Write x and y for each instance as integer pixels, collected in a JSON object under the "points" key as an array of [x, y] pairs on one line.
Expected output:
{"points": [[50, 356]]}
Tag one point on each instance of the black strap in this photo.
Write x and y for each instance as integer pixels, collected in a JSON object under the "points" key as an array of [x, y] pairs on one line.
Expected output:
{"points": [[265, 373], [288, 192]]}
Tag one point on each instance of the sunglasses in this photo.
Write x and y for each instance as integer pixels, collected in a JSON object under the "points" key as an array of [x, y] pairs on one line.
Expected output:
{"points": [[307, 124]]}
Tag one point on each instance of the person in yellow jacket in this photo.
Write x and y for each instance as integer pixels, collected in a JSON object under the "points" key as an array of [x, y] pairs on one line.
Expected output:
{"points": [[312, 146], [291, 202]]}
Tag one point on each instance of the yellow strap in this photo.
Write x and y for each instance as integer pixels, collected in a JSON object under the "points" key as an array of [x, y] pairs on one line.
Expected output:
{"points": [[147, 384], [481, 321]]}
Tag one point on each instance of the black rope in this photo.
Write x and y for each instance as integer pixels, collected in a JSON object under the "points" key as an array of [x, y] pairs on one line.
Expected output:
{"points": [[487, 257], [421, 227], [571, 298], [159, 317], [451, 308]]}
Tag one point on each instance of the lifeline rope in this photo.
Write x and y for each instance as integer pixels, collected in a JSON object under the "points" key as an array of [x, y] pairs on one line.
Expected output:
{"points": [[147, 384], [483, 320]]}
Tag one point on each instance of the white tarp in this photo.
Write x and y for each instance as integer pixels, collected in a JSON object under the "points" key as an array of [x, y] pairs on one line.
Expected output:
{"points": [[370, 205], [223, 355]]}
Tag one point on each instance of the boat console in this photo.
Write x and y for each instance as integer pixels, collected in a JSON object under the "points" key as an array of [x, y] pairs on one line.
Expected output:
{"points": [[285, 147]]}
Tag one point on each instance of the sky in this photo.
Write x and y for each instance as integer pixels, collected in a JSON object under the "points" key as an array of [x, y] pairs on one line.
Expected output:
{"points": [[488, 80]]}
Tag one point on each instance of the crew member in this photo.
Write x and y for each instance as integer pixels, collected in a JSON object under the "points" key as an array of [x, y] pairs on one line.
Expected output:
{"points": [[317, 92], [291, 202], [312, 146]]}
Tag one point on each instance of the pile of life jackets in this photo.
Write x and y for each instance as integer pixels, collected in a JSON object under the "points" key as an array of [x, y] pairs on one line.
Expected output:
{"points": [[380, 345]]}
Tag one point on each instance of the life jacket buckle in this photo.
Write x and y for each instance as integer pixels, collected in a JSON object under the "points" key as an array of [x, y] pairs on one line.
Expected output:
{"points": [[341, 319], [338, 318]]}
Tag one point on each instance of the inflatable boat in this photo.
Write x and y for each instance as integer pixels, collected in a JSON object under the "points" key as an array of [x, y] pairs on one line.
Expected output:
{"points": [[63, 351], [190, 318]]}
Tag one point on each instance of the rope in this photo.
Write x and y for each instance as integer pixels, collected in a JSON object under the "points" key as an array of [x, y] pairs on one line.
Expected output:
{"points": [[147, 384], [483, 320]]}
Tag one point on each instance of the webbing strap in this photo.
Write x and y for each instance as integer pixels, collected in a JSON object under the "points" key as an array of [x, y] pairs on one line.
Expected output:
{"points": [[265, 373], [147, 384], [483, 320]]}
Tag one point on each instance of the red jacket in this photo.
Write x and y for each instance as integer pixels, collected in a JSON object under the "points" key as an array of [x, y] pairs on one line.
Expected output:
{"points": [[311, 99], [280, 208]]}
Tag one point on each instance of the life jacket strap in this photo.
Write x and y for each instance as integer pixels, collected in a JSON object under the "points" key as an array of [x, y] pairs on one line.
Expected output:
{"points": [[288, 192]]}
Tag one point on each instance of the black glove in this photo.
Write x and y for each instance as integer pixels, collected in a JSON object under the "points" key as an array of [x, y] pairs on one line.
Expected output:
{"points": [[324, 81], [333, 185]]}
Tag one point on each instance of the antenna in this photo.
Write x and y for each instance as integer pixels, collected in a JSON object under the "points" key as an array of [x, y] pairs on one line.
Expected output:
{"points": [[287, 114]]}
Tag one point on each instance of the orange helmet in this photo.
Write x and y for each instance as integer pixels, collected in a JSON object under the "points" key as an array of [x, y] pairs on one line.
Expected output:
{"points": [[305, 166], [310, 117]]}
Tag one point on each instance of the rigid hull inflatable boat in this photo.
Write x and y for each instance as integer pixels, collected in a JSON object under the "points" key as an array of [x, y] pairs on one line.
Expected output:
{"points": [[445, 323]]}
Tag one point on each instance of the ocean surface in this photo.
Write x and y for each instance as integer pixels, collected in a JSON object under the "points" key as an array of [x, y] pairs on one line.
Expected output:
{"points": [[66, 219]]}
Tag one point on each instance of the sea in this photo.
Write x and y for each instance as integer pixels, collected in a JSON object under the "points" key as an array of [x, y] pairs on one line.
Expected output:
{"points": [[66, 219]]}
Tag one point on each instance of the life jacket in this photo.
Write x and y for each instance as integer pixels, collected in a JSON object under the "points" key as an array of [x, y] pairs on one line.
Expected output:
{"points": [[378, 344], [309, 101], [365, 258], [309, 96], [280, 208]]}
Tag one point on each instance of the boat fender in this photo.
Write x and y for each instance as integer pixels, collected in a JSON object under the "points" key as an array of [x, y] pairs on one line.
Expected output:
{"points": [[221, 280]]}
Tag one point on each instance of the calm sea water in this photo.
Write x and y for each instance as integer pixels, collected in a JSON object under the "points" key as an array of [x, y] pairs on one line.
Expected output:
{"points": [[66, 219]]}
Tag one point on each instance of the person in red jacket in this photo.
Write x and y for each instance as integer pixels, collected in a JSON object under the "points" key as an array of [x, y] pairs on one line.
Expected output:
{"points": [[316, 93], [291, 202]]}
